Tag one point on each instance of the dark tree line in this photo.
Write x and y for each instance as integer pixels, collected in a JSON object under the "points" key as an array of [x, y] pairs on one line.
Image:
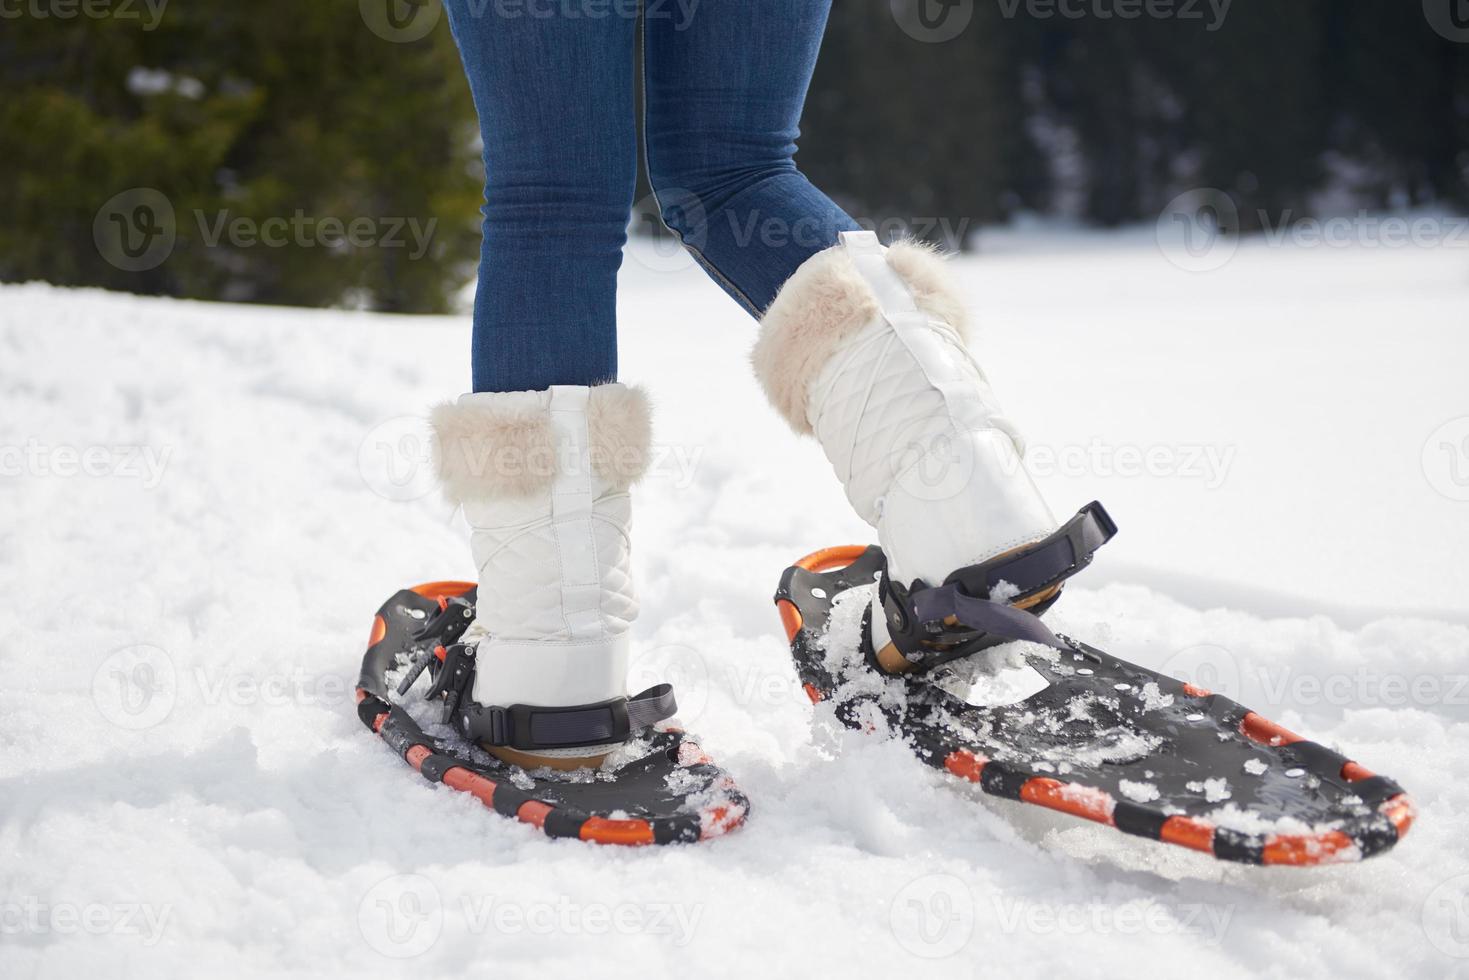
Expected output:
{"points": [[278, 108], [1286, 106]]}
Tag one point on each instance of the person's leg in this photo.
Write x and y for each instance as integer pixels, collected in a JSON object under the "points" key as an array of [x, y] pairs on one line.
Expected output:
{"points": [[555, 95], [725, 84], [860, 346], [541, 455]]}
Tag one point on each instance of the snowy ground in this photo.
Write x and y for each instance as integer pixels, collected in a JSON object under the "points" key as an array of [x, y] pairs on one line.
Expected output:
{"points": [[223, 495]]}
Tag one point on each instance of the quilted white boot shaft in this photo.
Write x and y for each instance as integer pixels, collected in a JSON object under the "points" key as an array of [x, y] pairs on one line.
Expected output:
{"points": [[543, 480], [521, 585], [906, 416]]}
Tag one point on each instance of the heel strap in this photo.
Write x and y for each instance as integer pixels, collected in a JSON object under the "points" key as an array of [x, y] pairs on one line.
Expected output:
{"points": [[531, 728], [1042, 566]]}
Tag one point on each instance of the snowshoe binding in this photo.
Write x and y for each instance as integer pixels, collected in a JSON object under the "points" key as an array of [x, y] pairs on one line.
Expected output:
{"points": [[1104, 739], [657, 788]]}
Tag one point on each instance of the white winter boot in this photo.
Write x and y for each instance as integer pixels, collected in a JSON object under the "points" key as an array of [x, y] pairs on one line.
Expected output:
{"points": [[865, 348], [543, 478]]}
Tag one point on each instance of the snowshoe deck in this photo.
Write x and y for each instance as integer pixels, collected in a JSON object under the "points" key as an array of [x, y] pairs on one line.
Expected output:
{"points": [[1106, 740], [669, 793]]}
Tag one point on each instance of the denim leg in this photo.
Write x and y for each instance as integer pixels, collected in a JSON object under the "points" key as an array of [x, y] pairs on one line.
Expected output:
{"points": [[555, 96], [725, 84]]}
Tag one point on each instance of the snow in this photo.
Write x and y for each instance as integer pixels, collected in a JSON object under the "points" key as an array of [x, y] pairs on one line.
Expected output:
{"points": [[1215, 790], [1153, 698], [205, 503], [1137, 791]]}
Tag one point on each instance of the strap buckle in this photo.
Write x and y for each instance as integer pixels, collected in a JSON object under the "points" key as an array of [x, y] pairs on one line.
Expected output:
{"points": [[454, 678]]}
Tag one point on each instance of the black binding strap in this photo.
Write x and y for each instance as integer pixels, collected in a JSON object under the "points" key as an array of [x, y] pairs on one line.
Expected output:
{"points": [[1049, 563], [932, 625], [529, 728]]}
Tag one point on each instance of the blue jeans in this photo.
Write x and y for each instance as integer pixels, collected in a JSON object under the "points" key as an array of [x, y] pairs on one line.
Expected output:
{"points": [[554, 82]]}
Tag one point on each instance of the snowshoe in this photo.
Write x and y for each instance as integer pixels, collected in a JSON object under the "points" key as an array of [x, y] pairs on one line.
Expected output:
{"points": [[1104, 739], [657, 788]]}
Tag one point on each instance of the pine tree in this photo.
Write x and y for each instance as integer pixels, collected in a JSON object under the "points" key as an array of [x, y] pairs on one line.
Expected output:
{"points": [[272, 118]]}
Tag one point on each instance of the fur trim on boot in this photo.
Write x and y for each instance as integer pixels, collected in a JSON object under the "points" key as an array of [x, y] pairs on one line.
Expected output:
{"points": [[825, 303], [489, 447]]}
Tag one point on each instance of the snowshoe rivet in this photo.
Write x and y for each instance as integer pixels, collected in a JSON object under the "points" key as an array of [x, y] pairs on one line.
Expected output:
{"points": [[1084, 671], [1122, 687], [1295, 773], [1194, 717], [819, 593]]}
